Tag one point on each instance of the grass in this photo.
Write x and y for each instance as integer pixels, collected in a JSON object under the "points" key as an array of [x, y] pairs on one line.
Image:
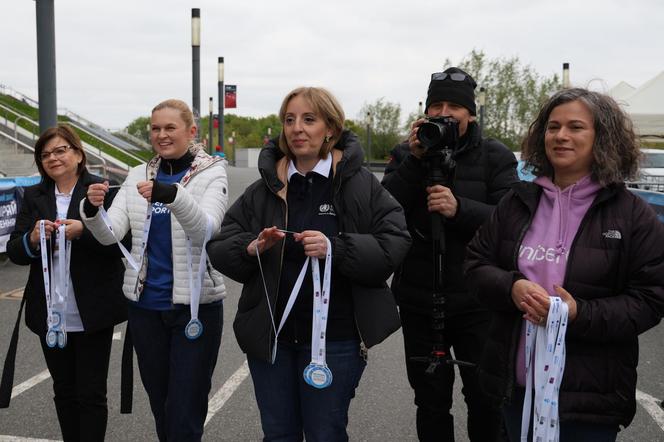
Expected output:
{"points": [[33, 113]]}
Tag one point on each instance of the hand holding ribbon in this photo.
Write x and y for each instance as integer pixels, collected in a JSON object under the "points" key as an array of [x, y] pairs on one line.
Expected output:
{"points": [[265, 240]]}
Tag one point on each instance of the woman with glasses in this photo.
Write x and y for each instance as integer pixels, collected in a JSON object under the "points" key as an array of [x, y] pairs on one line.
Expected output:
{"points": [[74, 306], [315, 202], [170, 205]]}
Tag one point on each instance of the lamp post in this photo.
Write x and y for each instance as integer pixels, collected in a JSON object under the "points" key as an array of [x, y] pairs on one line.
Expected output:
{"points": [[196, 64], [220, 92], [369, 140], [482, 100], [48, 104], [419, 109], [210, 128], [566, 83]]}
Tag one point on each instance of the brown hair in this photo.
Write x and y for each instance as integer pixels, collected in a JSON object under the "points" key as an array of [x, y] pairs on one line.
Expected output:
{"points": [[179, 105], [325, 106], [68, 134], [615, 150]]}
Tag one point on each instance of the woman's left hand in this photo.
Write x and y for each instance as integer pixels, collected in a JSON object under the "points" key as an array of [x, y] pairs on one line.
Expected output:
{"points": [[536, 306], [313, 241], [73, 228]]}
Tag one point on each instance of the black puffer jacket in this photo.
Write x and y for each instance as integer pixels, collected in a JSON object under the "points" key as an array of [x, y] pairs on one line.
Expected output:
{"points": [[485, 170], [615, 272], [373, 240]]}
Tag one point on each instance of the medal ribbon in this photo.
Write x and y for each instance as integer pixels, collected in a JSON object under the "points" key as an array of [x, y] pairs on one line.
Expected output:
{"points": [[319, 320], [547, 346], [321, 306], [64, 260], [196, 285], [146, 231], [47, 263]]}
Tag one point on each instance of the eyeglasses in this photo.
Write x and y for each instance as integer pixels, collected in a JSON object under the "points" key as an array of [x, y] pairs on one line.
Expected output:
{"points": [[57, 152], [456, 76]]}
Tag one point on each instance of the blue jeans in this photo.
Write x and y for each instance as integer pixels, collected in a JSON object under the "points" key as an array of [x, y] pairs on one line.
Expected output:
{"points": [[176, 372], [290, 407], [569, 431]]}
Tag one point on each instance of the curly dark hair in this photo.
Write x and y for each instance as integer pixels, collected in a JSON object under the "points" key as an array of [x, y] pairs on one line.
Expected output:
{"points": [[616, 151]]}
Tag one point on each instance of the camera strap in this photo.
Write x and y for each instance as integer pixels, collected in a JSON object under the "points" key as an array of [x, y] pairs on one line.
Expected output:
{"points": [[545, 362]]}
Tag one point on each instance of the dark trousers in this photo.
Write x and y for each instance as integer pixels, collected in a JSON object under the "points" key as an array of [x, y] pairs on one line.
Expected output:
{"points": [[569, 431], [176, 371], [79, 373], [466, 334], [290, 408]]}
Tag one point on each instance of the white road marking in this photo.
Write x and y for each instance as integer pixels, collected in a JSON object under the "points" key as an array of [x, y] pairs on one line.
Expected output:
{"points": [[24, 439], [652, 406], [226, 391], [20, 388]]}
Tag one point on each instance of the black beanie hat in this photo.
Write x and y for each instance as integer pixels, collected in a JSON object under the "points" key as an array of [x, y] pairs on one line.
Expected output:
{"points": [[459, 92]]}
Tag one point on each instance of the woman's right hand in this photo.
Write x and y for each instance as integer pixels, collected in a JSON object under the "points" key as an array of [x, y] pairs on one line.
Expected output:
{"points": [[49, 228], [97, 192], [532, 299], [266, 239]]}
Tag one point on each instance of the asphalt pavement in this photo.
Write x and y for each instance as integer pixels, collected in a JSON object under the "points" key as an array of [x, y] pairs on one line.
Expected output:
{"points": [[383, 409]]}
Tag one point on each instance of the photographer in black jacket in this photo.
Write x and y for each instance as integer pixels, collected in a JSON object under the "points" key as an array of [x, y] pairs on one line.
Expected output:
{"points": [[484, 171]]}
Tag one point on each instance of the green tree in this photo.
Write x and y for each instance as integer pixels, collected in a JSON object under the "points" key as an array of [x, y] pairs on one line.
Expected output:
{"points": [[384, 119], [139, 128], [514, 94]]}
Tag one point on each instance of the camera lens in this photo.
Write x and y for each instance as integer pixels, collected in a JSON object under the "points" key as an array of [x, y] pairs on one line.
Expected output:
{"points": [[430, 134]]}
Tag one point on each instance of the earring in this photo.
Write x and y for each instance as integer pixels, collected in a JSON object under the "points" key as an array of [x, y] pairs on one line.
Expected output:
{"points": [[327, 138]]}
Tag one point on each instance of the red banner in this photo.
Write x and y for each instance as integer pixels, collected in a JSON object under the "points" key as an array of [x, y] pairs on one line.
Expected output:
{"points": [[230, 96]]}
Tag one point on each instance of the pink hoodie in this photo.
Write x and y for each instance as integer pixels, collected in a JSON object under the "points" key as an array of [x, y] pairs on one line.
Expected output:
{"points": [[545, 248]]}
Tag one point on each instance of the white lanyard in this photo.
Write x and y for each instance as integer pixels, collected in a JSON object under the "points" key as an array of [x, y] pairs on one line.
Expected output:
{"points": [[547, 345], [56, 306], [320, 308], [146, 231], [194, 328]]}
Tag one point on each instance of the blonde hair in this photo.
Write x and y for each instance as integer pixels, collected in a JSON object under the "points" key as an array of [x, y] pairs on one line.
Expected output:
{"points": [[325, 105], [179, 105]]}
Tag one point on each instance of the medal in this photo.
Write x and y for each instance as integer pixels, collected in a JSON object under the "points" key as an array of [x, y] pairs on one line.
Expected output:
{"points": [[56, 319], [62, 339], [318, 376], [51, 338], [193, 329]]}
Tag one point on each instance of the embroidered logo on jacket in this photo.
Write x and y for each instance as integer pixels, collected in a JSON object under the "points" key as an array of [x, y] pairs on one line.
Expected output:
{"points": [[612, 234], [326, 209]]}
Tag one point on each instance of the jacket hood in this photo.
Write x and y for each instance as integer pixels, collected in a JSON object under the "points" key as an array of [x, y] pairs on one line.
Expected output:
{"points": [[347, 158]]}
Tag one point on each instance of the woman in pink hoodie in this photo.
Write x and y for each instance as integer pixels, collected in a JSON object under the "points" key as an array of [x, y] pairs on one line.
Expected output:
{"points": [[572, 267]]}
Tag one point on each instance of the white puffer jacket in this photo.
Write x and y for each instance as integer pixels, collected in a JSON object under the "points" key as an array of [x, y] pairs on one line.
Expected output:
{"points": [[202, 193]]}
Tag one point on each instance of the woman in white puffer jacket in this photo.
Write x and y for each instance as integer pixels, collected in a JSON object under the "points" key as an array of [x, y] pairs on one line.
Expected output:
{"points": [[176, 341]]}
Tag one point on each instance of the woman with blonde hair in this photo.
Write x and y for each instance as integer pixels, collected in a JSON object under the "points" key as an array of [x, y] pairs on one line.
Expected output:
{"points": [[171, 206], [306, 347]]}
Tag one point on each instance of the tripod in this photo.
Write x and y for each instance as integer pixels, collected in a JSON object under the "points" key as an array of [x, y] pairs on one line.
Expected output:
{"points": [[439, 165]]}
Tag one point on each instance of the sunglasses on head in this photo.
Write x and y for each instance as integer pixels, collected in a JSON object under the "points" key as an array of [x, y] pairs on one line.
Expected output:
{"points": [[456, 76]]}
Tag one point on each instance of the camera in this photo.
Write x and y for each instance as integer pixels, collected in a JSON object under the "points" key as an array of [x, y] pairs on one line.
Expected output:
{"points": [[439, 133]]}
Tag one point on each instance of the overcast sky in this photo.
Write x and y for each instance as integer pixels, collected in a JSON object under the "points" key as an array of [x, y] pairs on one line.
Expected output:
{"points": [[117, 58]]}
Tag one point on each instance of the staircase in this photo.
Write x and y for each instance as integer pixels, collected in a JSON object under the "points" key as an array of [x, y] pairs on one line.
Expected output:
{"points": [[15, 162]]}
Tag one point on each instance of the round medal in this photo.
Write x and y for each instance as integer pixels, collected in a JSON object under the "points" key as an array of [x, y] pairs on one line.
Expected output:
{"points": [[193, 329], [56, 319], [51, 338], [62, 339], [318, 376]]}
